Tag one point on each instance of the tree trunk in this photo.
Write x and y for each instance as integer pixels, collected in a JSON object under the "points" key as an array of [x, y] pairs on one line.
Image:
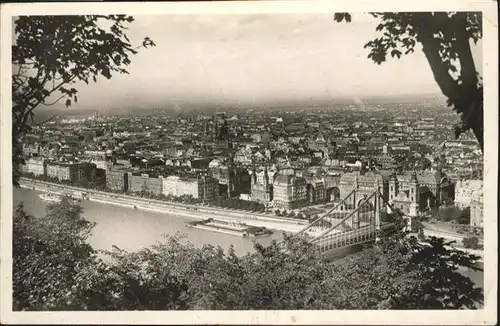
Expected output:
{"points": [[466, 97]]}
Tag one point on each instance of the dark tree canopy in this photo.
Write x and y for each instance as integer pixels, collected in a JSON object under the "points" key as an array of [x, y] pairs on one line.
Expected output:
{"points": [[51, 53], [446, 39]]}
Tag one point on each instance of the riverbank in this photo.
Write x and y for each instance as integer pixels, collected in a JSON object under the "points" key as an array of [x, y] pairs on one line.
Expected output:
{"points": [[192, 211]]}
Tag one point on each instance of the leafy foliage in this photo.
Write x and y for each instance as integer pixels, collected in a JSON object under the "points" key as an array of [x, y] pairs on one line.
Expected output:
{"points": [[52, 53], [55, 269], [49, 252], [452, 213], [444, 37], [471, 242]]}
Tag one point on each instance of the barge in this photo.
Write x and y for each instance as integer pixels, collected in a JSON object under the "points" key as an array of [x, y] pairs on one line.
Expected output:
{"points": [[232, 228]]}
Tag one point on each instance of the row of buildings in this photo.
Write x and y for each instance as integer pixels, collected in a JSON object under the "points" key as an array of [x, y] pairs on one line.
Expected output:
{"points": [[197, 186], [411, 192], [284, 188], [62, 171]]}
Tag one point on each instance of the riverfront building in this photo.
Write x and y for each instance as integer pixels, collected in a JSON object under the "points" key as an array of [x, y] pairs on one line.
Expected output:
{"points": [[410, 192], [289, 192], [37, 166], [317, 191], [142, 182], [465, 191], [72, 172], [202, 187], [117, 180], [434, 188], [261, 187], [476, 209]]}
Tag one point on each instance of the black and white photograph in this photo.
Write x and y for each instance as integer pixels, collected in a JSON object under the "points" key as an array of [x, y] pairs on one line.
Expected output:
{"points": [[288, 162]]}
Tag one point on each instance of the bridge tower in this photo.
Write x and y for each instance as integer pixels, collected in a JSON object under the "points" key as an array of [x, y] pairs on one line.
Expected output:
{"points": [[355, 219], [378, 205]]}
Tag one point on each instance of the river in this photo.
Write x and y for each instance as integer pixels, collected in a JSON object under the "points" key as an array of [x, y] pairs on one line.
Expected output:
{"points": [[133, 230]]}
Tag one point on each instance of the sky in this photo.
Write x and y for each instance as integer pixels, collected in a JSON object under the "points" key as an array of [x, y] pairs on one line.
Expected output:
{"points": [[256, 59]]}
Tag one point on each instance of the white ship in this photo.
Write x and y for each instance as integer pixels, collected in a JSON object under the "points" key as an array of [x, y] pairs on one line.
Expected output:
{"points": [[50, 197], [73, 199]]}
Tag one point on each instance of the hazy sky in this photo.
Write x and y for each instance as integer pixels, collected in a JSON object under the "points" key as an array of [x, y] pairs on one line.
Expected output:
{"points": [[257, 58]]}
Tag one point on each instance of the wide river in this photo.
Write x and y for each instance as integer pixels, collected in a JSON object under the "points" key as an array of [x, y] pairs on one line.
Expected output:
{"points": [[133, 230]]}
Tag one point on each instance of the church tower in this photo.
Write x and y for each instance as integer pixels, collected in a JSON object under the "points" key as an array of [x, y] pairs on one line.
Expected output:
{"points": [[413, 187], [393, 186], [414, 194]]}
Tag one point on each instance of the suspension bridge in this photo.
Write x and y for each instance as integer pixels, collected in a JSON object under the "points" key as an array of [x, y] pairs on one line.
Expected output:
{"points": [[354, 220]]}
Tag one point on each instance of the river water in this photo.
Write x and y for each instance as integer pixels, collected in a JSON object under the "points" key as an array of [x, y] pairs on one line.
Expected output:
{"points": [[133, 230]]}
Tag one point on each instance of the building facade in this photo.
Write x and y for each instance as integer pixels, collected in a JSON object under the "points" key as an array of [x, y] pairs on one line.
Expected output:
{"points": [[365, 183], [37, 166], [117, 180], [142, 182], [476, 209], [201, 187], [72, 172], [465, 191], [406, 196], [261, 187], [289, 192], [31, 149], [316, 191]]}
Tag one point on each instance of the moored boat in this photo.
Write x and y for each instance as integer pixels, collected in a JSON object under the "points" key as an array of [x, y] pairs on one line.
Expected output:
{"points": [[232, 228], [73, 199], [50, 197]]}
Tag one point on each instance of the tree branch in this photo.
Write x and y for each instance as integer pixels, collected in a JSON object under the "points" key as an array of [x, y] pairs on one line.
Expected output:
{"points": [[50, 104], [23, 117]]}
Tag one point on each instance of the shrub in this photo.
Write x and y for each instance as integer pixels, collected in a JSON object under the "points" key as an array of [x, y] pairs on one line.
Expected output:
{"points": [[471, 243]]}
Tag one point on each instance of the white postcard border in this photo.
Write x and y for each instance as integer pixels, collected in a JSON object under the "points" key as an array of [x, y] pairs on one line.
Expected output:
{"points": [[490, 77]]}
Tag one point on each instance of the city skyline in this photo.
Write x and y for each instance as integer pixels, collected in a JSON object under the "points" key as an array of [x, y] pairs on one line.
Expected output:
{"points": [[211, 60]]}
